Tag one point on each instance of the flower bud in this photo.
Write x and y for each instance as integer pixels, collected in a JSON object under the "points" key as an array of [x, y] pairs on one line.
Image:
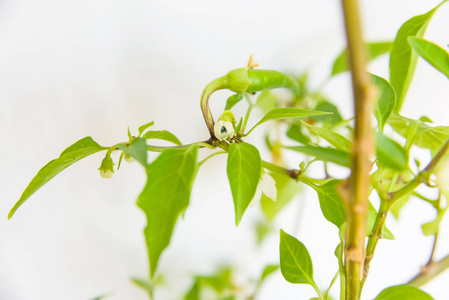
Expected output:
{"points": [[107, 167], [223, 130], [128, 158]]}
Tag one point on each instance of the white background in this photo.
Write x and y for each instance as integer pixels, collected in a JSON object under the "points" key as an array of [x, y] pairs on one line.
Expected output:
{"points": [[70, 69]]}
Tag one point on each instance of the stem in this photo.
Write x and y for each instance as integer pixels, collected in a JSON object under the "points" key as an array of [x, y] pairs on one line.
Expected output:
{"points": [[326, 294], [363, 146], [429, 272], [215, 85], [320, 295], [248, 112]]}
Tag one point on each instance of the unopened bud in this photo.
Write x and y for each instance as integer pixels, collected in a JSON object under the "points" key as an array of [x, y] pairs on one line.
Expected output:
{"points": [[107, 167]]}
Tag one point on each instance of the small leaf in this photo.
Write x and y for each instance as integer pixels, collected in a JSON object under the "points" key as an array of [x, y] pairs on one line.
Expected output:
{"points": [[431, 228], [283, 113], [244, 171], [286, 190], [137, 150], [433, 54], [403, 292], [79, 150], [372, 214], [336, 156], [162, 135], [386, 100], [166, 195], [296, 264], [333, 138], [331, 202], [374, 50], [267, 101], [233, 100], [402, 58], [268, 270], [145, 126], [390, 154]]}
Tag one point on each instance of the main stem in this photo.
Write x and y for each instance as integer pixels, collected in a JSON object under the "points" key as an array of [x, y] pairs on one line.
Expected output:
{"points": [[357, 200]]}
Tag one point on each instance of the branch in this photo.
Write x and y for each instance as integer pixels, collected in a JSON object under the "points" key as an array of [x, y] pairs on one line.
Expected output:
{"points": [[429, 272]]}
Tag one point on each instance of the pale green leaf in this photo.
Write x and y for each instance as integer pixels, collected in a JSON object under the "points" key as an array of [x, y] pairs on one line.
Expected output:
{"points": [[162, 135], [386, 100], [403, 292], [268, 270], [402, 58], [79, 150], [431, 228], [267, 101], [145, 126], [333, 138], [137, 150], [390, 154], [331, 202], [433, 54], [145, 285], [233, 100], [296, 264], [335, 156], [284, 113], [244, 171], [374, 50], [165, 196]]}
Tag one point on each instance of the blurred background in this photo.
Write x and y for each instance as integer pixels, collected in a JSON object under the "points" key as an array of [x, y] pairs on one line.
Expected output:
{"points": [[71, 69]]}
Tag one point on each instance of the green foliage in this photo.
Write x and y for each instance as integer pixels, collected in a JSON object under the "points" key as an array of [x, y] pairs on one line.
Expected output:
{"points": [[79, 150], [331, 202], [386, 101], [143, 128], [233, 100], [162, 135], [390, 154], [335, 156], [403, 292], [165, 196], [332, 137], [244, 171], [137, 150], [433, 54]]}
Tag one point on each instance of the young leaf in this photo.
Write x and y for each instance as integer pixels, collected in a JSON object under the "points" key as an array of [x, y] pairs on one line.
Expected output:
{"points": [[233, 100], [374, 50], [286, 190], [335, 156], [146, 285], [390, 154], [386, 100], [333, 138], [268, 270], [79, 150], [431, 228], [267, 101], [165, 196], [137, 150], [283, 113], [330, 202], [403, 292], [402, 58], [244, 171], [162, 135], [296, 264], [433, 54], [145, 126]]}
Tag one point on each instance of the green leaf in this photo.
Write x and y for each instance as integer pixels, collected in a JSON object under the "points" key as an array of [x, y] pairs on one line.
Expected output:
{"points": [[374, 50], [137, 150], [333, 138], [296, 264], [286, 190], [244, 171], [283, 113], [165, 196], [336, 156], [372, 214], [144, 285], [390, 154], [145, 126], [233, 100], [79, 150], [162, 135], [268, 270], [331, 202], [194, 292], [295, 133], [267, 101], [433, 54], [329, 119], [386, 100], [403, 292], [402, 58]]}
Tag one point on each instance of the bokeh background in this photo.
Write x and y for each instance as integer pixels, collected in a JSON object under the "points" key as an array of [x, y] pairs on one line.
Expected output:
{"points": [[70, 69]]}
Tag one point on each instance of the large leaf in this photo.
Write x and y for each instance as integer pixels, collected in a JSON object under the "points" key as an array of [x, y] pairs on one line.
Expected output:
{"points": [[284, 113], [390, 154], [335, 156], [402, 58], [296, 264], [137, 150], [333, 138], [403, 292], [374, 50], [433, 54], [331, 202], [162, 135], [69, 156], [165, 196], [244, 171], [286, 190], [386, 100]]}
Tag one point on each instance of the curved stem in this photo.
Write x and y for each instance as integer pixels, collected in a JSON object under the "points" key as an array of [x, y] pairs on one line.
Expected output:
{"points": [[215, 85]]}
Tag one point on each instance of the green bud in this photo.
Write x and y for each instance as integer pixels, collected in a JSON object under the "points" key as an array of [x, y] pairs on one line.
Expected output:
{"points": [[227, 115], [107, 167], [128, 158]]}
